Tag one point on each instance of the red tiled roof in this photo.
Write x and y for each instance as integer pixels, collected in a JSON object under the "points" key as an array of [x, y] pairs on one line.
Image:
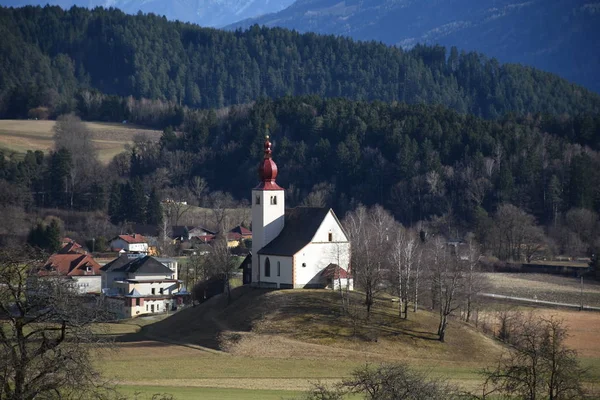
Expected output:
{"points": [[205, 238], [135, 238], [234, 236], [241, 230], [72, 247], [72, 264], [335, 272]]}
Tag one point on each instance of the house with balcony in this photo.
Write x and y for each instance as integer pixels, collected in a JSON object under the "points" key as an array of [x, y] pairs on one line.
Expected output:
{"points": [[141, 285]]}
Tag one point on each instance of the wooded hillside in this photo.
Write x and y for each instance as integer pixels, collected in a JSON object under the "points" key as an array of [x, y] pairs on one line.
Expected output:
{"points": [[48, 56]]}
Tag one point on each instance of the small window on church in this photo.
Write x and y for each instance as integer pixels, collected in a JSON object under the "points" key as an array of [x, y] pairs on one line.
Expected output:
{"points": [[267, 267], [278, 268], [330, 237], [273, 200], [257, 200]]}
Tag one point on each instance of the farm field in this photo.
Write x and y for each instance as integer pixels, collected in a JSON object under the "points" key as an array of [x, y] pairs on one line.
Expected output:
{"points": [[545, 287], [109, 138], [271, 345], [281, 341]]}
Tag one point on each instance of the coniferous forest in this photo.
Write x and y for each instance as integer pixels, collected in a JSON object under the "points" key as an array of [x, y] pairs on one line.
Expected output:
{"points": [[51, 58], [432, 134]]}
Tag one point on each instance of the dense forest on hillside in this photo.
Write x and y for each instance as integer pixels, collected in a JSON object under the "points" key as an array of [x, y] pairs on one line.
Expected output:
{"points": [[559, 36], [54, 58], [421, 162]]}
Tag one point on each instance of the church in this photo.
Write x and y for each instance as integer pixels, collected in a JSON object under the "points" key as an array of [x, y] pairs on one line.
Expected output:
{"points": [[302, 247]]}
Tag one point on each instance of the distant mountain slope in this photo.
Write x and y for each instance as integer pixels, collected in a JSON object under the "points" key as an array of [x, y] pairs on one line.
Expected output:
{"points": [[213, 13], [48, 56], [560, 36]]}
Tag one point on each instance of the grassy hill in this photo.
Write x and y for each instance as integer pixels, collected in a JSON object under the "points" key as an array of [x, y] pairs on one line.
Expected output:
{"points": [[272, 344], [109, 138], [308, 324]]}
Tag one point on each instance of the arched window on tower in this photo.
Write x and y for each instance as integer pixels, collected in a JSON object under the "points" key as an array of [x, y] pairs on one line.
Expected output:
{"points": [[267, 267]]}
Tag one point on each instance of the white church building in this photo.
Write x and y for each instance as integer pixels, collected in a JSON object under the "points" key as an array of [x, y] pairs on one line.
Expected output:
{"points": [[303, 247]]}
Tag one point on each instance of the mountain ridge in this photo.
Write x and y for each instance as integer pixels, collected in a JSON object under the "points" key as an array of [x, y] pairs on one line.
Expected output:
{"points": [[558, 36], [210, 13]]}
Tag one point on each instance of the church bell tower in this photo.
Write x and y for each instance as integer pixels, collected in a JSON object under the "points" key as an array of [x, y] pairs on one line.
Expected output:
{"points": [[268, 209]]}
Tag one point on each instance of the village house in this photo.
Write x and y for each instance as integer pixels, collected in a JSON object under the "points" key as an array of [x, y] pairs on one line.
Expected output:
{"points": [[133, 243], [142, 285], [237, 235], [184, 233], [81, 269], [303, 247]]}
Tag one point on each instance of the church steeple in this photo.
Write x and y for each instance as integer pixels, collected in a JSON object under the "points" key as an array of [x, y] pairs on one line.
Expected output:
{"points": [[268, 211], [267, 170]]}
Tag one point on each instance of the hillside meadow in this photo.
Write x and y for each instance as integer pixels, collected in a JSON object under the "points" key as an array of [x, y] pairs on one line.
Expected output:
{"points": [[110, 139], [272, 345]]}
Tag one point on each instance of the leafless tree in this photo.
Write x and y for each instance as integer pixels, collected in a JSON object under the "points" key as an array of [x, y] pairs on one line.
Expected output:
{"points": [[320, 195], [47, 335], [538, 366], [447, 280], [475, 282], [404, 259], [72, 134], [221, 203], [199, 188], [397, 382], [370, 231], [176, 204], [221, 263], [513, 229]]}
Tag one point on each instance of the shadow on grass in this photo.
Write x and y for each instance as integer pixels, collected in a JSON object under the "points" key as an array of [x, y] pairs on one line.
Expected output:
{"points": [[312, 315]]}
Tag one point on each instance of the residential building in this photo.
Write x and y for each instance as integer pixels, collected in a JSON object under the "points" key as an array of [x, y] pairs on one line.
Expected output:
{"points": [[141, 285], [81, 269], [134, 243]]}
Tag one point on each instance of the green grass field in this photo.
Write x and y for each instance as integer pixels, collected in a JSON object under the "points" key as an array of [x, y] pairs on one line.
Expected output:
{"points": [[189, 393], [272, 345], [110, 139]]}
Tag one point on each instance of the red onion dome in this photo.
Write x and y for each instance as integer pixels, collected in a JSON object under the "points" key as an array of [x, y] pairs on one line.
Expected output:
{"points": [[267, 170]]}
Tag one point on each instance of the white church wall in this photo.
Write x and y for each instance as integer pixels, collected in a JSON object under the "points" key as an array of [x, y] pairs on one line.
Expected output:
{"points": [[313, 258], [267, 221], [329, 225], [285, 269]]}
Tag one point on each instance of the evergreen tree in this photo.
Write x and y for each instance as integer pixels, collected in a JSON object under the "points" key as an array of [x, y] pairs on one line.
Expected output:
{"points": [[114, 204], [138, 202], [154, 212], [37, 236], [53, 236], [46, 238]]}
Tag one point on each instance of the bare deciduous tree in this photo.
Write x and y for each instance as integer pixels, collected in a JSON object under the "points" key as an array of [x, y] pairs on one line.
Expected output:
{"points": [[47, 334], [176, 204], [447, 280], [72, 134], [370, 233], [199, 188], [475, 282], [386, 382], [404, 259], [539, 365]]}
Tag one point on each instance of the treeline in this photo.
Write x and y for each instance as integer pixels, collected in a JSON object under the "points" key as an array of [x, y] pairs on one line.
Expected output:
{"points": [[55, 62], [418, 161]]}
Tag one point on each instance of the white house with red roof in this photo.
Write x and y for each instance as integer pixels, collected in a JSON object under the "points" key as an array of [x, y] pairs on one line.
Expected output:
{"points": [[82, 269], [134, 243], [303, 247]]}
